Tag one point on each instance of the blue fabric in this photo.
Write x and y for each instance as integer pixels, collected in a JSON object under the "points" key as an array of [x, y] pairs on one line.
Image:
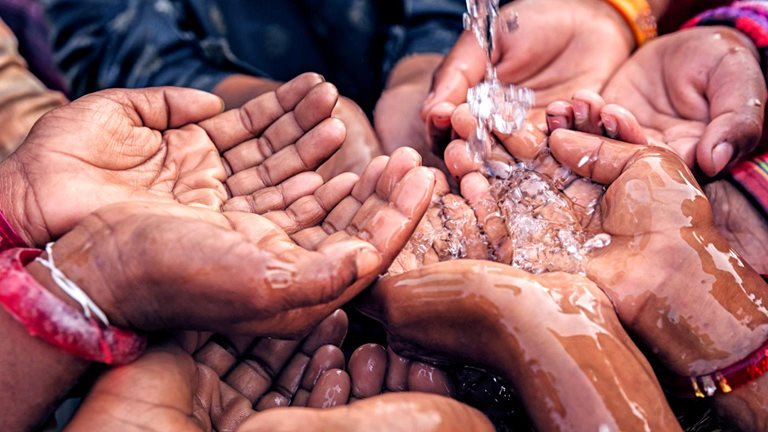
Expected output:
{"points": [[197, 43]]}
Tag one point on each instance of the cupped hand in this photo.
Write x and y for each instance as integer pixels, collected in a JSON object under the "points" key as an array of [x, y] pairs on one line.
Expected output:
{"points": [[667, 270], [153, 266], [164, 145], [553, 336], [701, 91], [561, 46], [168, 389]]}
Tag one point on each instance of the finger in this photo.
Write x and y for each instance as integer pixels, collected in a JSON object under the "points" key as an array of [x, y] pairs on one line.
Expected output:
{"points": [[220, 353], [439, 126], [286, 385], [276, 197], [331, 331], [560, 116], [463, 237], [463, 68], [253, 376], [400, 163], [526, 144], [254, 117], [309, 152], [737, 96], [325, 358], [367, 370], [397, 372], [309, 211], [388, 222], [428, 379], [477, 190], [622, 125], [463, 122], [461, 160], [585, 197], [164, 108], [332, 389], [587, 106], [597, 158]]}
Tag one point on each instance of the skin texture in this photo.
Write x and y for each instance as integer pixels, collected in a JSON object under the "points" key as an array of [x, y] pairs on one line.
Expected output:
{"points": [[217, 388], [555, 63], [740, 222], [701, 91], [165, 146], [281, 229], [477, 312], [302, 262], [360, 145]]}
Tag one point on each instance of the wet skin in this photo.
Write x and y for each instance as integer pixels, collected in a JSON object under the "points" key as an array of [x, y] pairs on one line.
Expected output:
{"points": [[225, 389], [563, 359]]}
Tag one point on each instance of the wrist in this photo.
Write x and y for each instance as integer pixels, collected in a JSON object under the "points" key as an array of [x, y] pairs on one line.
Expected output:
{"points": [[636, 20], [414, 69], [238, 89], [79, 267]]}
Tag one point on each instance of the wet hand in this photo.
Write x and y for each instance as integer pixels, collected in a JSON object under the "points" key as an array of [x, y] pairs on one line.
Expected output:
{"points": [[206, 388], [668, 271], [495, 317], [701, 91], [561, 46]]}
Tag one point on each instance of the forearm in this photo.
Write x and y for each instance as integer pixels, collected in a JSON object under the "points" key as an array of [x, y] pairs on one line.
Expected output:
{"points": [[35, 375]]}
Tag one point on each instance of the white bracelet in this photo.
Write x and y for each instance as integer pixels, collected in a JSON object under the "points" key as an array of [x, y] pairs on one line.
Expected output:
{"points": [[71, 288]]}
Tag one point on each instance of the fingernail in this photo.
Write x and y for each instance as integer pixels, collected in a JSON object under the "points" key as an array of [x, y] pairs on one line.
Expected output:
{"points": [[580, 111], [721, 156], [367, 261], [555, 122], [610, 125], [441, 121]]}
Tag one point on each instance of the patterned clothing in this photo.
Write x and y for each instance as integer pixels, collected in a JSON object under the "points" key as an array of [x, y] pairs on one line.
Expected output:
{"points": [[197, 43], [23, 98]]}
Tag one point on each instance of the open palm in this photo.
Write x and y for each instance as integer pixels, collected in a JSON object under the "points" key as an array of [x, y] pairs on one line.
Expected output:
{"points": [[165, 145]]}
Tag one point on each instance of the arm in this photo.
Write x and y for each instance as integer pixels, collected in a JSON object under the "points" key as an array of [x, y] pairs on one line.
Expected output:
{"points": [[553, 336], [23, 98]]}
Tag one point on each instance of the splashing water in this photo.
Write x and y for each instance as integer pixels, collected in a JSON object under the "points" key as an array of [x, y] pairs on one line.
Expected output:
{"points": [[496, 106], [544, 232]]}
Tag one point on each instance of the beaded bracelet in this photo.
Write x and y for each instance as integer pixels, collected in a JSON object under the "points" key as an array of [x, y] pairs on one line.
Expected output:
{"points": [[639, 17], [723, 381], [47, 317]]}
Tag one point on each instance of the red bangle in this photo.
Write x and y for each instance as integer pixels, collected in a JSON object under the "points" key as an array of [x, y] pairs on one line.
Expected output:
{"points": [[50, 319], [9, 238]]}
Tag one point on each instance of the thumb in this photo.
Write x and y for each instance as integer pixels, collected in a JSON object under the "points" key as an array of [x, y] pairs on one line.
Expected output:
{"points": [[736, 93], [463, 68]]}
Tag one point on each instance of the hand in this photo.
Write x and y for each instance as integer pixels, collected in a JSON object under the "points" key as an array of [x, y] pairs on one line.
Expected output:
{"points": [[169, 390], [668, 271], [553, 336], [153, 266], [701, 91], [561, 46], [163, 145]]}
